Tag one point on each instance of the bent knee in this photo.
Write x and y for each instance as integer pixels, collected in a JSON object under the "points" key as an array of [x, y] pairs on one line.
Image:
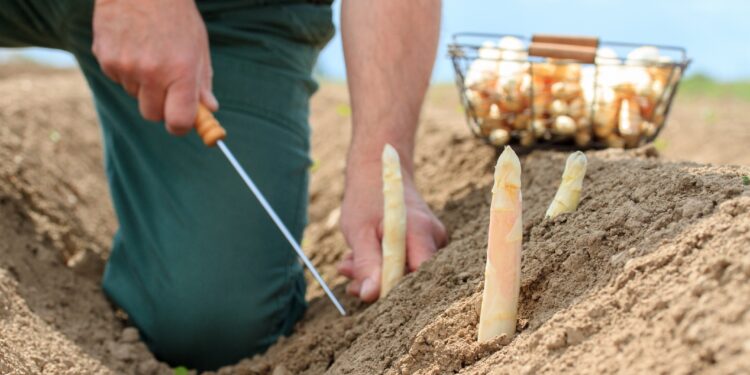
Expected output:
{"points": [[221, 329]]}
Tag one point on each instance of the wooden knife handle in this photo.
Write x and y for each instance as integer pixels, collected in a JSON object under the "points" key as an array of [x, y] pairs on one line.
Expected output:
{"points": [[207, 127]]}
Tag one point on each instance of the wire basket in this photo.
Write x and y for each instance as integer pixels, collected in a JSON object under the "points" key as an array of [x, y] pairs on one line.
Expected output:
{"points": [[563, 91]]}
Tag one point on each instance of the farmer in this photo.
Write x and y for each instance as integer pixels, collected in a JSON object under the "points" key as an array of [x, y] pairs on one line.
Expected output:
{"points": [[196, 263]]}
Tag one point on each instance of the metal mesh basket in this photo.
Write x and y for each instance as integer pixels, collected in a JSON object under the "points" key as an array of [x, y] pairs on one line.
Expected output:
{"points": [[562, 91]]}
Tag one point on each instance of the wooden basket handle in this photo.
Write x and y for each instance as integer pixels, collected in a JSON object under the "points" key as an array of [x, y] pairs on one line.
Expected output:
{"points": [[572, 40], [578, 48]]}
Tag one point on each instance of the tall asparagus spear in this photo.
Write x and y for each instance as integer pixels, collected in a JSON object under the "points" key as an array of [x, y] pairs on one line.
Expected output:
{"points": [[569, 193], [502, 274], [394, 222]]}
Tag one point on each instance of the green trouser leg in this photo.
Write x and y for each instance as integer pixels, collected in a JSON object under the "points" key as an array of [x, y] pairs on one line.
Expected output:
{"points": [[196, 263]]}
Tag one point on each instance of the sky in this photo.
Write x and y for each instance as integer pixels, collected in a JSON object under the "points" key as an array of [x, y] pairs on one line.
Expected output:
{"points": [[714, 32]]}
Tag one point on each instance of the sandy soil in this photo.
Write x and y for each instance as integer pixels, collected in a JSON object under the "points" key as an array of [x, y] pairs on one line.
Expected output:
{"points": [[725, 124], [651, 274]]}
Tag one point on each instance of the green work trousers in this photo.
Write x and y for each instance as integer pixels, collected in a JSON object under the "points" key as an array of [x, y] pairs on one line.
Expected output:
{"points": [[196, 263]]}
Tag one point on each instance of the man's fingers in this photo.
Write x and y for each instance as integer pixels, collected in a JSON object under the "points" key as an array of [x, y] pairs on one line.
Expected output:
{"points": [[440, 233], [367, 265], [370, 290], [181, 106], [131, 87], [110, 73], [423, 238], [420, 247], [151, 102], [353, 288], [209, 100], [346, 266], [207, 94]]}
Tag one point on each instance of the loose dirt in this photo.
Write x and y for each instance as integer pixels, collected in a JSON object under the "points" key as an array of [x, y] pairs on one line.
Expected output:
{"points": [[651, 274]]}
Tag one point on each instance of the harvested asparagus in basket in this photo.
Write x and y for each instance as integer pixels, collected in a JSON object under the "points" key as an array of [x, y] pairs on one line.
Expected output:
{"points": [[622, 100], [502, 274]]}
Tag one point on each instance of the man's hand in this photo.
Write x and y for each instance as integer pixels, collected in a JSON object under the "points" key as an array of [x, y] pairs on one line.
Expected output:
{"points": [[158, 51], [362, 225], [390, 47]]}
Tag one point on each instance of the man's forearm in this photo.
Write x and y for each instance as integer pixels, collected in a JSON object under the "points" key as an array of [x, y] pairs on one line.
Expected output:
{"points": [[390, 47]]}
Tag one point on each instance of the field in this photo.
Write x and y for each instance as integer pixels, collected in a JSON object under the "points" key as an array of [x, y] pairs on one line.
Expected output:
{"points": [[650, 275]]}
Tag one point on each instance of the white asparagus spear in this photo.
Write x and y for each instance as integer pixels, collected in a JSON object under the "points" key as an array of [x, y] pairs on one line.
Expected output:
{"points": [[394, 222], [629, 123], [502, 274], [569, 193]]}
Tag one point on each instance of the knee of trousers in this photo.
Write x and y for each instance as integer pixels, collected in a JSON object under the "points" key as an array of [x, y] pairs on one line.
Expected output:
{"points": [[208, 330]]}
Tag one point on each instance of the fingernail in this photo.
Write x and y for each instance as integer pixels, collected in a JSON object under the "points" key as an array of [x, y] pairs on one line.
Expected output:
{"points": [[213, 102], [368, 288]]}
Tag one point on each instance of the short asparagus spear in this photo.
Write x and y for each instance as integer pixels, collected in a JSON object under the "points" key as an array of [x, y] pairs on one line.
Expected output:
{"points": [[569, 193]]}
